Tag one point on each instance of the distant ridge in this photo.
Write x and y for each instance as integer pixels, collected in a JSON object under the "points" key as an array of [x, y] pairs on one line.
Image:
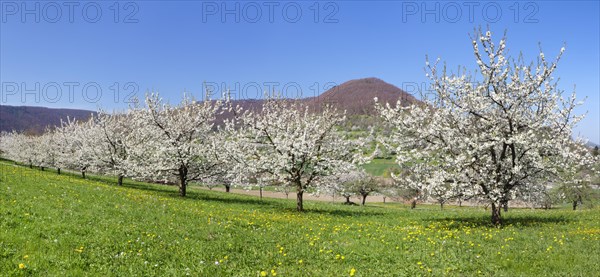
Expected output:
{"points": [[34, 120]]}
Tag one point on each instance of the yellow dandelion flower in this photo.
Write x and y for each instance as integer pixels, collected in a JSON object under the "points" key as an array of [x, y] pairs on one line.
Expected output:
{"points": [[263, 273], [21, 266], [352, 271]]}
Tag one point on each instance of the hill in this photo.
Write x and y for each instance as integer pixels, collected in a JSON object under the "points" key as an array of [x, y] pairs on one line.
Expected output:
{"points": [[356, 96]]}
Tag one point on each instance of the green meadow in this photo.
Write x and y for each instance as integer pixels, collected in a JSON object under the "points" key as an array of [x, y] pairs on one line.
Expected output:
{"points": [[380, 167], [62, 225]]}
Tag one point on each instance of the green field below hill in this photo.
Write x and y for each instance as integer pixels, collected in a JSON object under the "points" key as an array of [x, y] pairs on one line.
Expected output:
{"points": [[379, 167]]}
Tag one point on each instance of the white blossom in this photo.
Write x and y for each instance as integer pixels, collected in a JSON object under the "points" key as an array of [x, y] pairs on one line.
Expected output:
{"points": [[492, 136]]}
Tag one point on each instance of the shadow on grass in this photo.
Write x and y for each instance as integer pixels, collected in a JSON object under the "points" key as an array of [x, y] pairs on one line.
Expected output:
{"points": [[229, 198], [283, 205], [342, 212], [160, 188], [510, 220], [194, 193]]}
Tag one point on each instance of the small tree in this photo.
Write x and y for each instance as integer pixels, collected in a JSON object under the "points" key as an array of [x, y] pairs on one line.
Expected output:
{"points": [[285, 188], [576, 184], [441, 193], [355, 182], [343, 184], [365, 187], [387, 187]]}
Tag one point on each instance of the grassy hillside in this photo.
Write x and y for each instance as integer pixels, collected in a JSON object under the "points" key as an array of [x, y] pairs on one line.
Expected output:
{"points": [[62, 225]]}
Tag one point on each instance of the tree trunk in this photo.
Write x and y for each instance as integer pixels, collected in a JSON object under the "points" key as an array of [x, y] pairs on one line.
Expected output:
{"points": [[347, 199], [575, 204], [299, 203], [384, 200], [496, 214], [227, 188], [182, 181], [413, 203], [260, 190], [58, 170], [364, 199], [182, 186], [31, 166], [42, 168], [83, 173], [505, 205], [441, 205], [459, 203], [120, 180]]}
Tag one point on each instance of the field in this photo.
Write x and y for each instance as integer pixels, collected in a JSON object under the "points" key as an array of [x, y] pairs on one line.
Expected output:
{"points": [[379, 167], [54, 225]]}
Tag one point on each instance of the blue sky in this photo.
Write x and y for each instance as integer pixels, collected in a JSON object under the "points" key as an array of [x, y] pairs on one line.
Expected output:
{"points": [[101, 59]]}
